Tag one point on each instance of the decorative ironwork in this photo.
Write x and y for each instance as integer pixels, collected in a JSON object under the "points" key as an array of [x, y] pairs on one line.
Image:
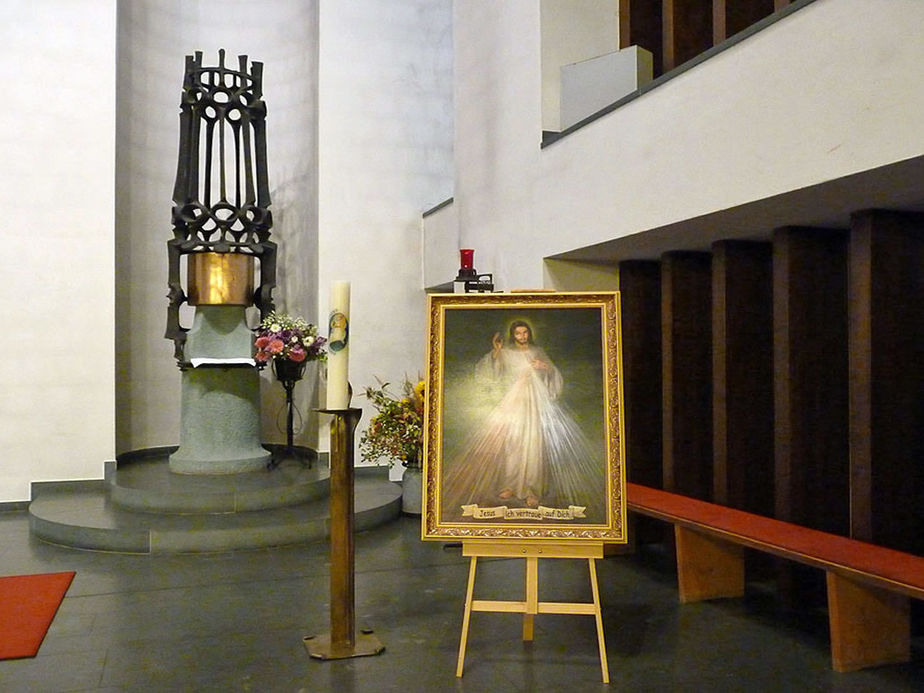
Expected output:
{"points": [[221, 197]]}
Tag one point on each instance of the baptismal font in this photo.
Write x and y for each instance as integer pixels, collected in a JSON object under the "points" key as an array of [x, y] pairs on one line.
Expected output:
{"points": [[221, 226]]}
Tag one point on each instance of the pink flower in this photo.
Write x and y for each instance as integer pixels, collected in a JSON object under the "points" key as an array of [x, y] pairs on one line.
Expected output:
{"points": [[263, 357], [262, 342], [275, 346], [297, 354]]}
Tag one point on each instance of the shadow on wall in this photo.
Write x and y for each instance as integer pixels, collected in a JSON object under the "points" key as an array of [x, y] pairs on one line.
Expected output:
{"points": [[295, 232]]}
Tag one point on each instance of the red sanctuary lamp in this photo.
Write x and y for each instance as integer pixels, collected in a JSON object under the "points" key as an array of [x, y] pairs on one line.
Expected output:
{"points": [[468, 280]]}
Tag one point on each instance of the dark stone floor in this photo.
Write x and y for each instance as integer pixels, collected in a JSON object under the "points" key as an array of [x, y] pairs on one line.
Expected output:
{"points": [[235, 622]]}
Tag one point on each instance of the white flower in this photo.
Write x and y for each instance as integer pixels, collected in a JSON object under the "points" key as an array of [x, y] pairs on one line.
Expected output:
{"points": [[275, 327]]}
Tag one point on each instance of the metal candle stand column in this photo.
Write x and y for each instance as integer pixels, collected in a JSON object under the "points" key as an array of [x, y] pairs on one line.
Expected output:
{"points": [[288, 373], [342, 641]]}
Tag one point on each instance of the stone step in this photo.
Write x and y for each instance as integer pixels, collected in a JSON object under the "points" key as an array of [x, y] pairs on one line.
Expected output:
{"points": [[83, 515], [144, 482]]}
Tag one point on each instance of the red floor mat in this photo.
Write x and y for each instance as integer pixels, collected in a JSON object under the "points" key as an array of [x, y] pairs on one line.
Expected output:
{"points": [[28, 604]]}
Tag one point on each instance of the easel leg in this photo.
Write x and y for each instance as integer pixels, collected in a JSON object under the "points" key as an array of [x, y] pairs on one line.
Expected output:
{"points": [[532, 597], [599, 616], [467, 615]]}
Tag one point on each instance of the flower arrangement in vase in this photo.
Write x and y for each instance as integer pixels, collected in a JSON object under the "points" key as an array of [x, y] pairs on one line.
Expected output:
{"points": [[289, 343], [395, 432]]}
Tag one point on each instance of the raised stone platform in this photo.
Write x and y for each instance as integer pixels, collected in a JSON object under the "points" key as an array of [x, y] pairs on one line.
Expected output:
{"points": [[142, 507], [144, 482]]}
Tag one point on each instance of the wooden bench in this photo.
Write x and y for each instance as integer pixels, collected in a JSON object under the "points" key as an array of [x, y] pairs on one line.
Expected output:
{"points": [[868, 586]]}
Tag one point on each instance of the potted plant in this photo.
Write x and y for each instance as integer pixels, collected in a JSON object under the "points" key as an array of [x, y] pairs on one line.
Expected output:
{"points": [[395, 433]]}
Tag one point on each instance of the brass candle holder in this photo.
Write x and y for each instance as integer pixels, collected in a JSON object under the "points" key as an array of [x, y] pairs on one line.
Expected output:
{"points": [[342, 641], [220, 279]]}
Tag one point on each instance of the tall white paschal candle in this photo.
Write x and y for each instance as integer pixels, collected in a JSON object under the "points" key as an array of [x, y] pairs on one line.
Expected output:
{"points": [[338, 347]]}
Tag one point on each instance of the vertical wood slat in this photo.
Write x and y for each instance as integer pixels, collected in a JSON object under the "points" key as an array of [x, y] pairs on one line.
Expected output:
{"points": [[886, 357], [640, 24], [810, 378], [742, 406], [731, 16], [686, 336], [687, 30], [640, 305]]}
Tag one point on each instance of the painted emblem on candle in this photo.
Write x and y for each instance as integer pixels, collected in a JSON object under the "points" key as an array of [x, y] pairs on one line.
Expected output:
{"points": [[339, 331]]}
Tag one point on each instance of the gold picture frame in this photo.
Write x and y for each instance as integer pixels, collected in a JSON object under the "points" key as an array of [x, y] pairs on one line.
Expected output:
{"points": [[524, 430]]}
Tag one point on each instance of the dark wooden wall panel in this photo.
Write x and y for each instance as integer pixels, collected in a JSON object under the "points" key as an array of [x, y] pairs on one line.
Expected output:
{"points": [[640, 24], [742, 364], [678, 30], [686, 335], [810, 378], [886, 359], [640, 299], [687, 30], [731, 16]]}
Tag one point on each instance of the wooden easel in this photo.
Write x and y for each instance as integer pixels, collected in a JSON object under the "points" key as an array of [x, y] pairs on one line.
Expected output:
{"points": [[532, 552]]}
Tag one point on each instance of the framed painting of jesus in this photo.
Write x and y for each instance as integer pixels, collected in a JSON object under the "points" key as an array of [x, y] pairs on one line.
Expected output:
{"points": [[524, 420]]}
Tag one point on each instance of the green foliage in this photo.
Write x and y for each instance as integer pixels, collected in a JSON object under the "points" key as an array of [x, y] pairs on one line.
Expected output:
{"points": [[396, 431]]}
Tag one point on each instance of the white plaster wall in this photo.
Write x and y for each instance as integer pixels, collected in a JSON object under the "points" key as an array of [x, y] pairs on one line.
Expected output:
{"points": [[154, 38], [56, 176], [593, 84], [832, 89], [572, 31], [385, 157], [441, 246], [497, 92]]}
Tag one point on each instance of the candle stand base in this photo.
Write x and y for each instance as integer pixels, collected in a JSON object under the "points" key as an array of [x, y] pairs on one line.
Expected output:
{"points": [[321, 647]]}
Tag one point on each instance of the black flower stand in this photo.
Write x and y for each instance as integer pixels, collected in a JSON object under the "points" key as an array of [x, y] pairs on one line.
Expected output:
{"points": [[288, 373]]}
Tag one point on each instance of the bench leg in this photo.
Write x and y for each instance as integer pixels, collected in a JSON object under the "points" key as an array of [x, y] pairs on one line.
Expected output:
{"points": [[707, 568], [869, 626]]}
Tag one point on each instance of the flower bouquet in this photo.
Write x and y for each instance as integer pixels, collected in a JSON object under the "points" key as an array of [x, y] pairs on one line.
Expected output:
{"points": [[396, 430], [288, 342]]}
